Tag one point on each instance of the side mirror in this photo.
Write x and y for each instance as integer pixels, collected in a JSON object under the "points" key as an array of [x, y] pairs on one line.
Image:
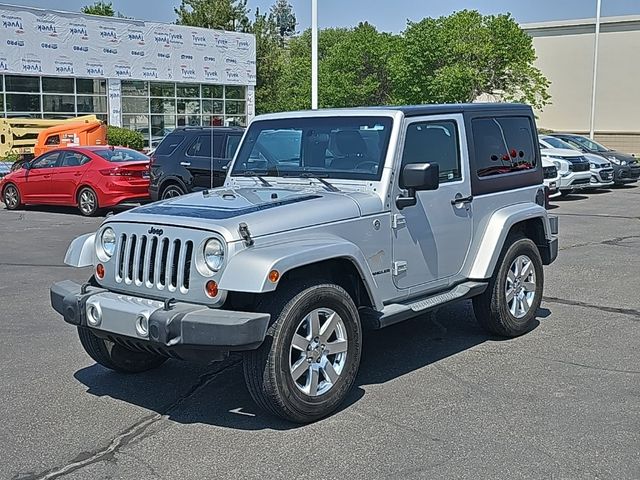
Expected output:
{"points": [[26, 166], [417, 177]]}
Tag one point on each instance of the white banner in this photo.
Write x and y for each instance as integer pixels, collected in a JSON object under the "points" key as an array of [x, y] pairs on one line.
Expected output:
{"points": [[115, 102], [42, 42]]}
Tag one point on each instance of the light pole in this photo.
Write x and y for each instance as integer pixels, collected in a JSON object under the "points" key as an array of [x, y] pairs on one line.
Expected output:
{"points": [[314, 54], [592, 126]]}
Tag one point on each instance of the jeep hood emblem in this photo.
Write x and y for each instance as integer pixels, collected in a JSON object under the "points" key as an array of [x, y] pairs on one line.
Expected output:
{"points": [[156, 231]]}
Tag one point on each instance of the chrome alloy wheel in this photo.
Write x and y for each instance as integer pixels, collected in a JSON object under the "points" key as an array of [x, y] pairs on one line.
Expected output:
{"points": [[87, 202], [318, 352], [520, 286], [171, 192], [11, 196]]}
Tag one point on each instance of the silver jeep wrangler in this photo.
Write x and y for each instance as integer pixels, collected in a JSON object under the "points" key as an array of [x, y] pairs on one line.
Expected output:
{"points": [[329, 222]]}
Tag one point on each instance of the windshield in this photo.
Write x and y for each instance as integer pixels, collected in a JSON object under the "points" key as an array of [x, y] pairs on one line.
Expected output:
{"points": [[557, 143], [117, 155], [588, 144], [351, 148]]}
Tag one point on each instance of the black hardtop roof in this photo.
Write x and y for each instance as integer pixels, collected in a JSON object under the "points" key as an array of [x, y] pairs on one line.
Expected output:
{"points": [[217, 129], [419, 110]]}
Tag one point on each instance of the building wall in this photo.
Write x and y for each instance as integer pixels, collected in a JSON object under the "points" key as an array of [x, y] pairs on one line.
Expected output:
{"points": [[565, 55]]}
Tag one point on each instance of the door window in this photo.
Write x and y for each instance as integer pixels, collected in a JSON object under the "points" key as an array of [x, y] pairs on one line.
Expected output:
{"points": [[232, 145], [434, 142], [201, 147], [53, 140], [503, 145], [49, 160], [74, 159]]}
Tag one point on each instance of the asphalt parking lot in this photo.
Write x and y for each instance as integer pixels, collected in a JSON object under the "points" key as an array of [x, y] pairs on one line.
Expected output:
{"points": [[435, 398]]}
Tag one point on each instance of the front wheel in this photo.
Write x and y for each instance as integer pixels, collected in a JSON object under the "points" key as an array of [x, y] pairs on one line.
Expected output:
{"points": [[116, 357], [310, 357], [508, 307], [11, 197], [172, 191]]}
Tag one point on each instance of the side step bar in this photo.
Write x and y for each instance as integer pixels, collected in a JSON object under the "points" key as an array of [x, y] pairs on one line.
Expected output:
{"points": [[399, 312]]}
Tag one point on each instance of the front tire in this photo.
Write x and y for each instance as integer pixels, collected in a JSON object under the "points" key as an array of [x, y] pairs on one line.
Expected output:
{"points": [[172, 191], [509, 305], [11, 197], [88, 202], [116, 357], [309, 360]]}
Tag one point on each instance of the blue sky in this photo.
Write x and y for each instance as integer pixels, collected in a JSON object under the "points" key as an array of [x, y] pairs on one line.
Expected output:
{"points": [[387, 15]]}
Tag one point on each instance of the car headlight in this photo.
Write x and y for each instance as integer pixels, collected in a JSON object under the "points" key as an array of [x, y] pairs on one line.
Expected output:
{"points": [[593, 166], [616, 161], [107, 244], [214, 254], [558, 165]]}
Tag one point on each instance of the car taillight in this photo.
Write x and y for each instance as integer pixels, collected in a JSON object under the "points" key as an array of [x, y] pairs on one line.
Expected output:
{"points": [[122, 172]]}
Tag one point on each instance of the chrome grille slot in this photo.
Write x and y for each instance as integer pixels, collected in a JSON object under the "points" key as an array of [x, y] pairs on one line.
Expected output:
{"points": [[150, 262]]}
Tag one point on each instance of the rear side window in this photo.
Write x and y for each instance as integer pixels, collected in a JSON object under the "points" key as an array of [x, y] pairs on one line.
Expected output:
{"points": [[434, 142], [170, 143], [503, 145], [53, 140], [202, 147]]}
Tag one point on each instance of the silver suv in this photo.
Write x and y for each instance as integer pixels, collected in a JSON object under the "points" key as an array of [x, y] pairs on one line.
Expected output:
{"points": [[329, 222]]}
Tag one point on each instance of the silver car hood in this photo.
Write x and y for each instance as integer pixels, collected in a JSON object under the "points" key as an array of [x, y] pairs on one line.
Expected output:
{"points": [[265, 210]]}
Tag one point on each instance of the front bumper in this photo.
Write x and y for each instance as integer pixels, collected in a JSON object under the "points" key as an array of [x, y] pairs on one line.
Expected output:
{"points": [[575, 181], [602, 177], [184, 327], [626, 174]]}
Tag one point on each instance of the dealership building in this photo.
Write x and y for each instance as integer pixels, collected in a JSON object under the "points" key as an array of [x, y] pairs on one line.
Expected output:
{"points": [[565, 52], [149, 77]]}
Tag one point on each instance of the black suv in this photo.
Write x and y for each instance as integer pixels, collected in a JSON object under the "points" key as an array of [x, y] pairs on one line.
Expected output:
{"points": [[191, 159]]}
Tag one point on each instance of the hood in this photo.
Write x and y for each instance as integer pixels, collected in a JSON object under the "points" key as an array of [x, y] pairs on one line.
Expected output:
{"points": [[597, 160], [620, 156], [264, 210], [560, 152]]}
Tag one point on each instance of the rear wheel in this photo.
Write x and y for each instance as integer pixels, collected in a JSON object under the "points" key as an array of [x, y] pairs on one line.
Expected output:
{"points": [[508, 307], [171, 191], [88, 202], [11, 197], [116, 357], [308, 363]]}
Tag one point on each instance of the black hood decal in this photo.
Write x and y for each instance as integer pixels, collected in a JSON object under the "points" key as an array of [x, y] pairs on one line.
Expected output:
{"points": [[215, 213]]}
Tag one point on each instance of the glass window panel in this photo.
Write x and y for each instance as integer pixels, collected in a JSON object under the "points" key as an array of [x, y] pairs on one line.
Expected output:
{"points": [[134, 88], [159, 89], [440, 139], [212, 91], [1, 105], [92, 104], [163, 105], [188, 106], [189, 120], [135, 122], [58, 116], [135, 105], [90, 85], [161, 126], [212, 121], [188, 90], [59, 103], [235, 121], [57, 85], [235, 92], [15, 83], [23, 103], [213, 106], [235, 108]]}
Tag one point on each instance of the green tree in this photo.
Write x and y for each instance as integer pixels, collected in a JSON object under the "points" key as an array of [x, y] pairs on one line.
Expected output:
{"points": [[462, 56], [100, 8], [230, 15], [285, 18]]}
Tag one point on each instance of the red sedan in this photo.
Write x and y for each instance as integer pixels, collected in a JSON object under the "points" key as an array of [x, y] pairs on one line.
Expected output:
{"points": [[89, 178]]}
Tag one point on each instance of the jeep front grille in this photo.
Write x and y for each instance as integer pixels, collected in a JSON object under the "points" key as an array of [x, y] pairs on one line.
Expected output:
{"points": [[157, 263]]}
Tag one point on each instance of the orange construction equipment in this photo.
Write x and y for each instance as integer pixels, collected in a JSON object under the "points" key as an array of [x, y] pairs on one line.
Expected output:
{"points": [[71, 135]]}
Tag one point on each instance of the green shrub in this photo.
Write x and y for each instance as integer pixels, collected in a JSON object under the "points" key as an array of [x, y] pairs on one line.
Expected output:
{"points": [[123, 137], [12, 157]]}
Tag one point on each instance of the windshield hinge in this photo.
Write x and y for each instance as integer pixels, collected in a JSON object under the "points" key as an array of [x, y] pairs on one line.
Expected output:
{"points": [[398, 221], [243, 229], [399, 268]]}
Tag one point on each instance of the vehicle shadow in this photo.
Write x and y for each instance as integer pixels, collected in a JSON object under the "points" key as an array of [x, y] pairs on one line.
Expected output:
{"points": [[572, 197], [216, 396], [61, 210]]}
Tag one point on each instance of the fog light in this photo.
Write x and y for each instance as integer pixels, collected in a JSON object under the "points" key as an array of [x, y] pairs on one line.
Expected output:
{"points": [[212, 289], [100, 271], [94, 315], [142, 325]]}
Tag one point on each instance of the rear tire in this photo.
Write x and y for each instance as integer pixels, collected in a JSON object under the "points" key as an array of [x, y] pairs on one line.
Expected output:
{"points": [[509, 305], [171, 191], [88, 202], [11, 197], [116, 357], [309, 360]]}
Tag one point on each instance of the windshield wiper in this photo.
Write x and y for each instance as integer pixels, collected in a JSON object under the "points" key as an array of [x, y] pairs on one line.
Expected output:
{"points": [[330, 187], [252, 174]]}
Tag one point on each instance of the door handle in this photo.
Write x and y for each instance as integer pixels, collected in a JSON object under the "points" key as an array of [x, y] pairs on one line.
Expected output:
{"points": [[77, 174], [46, 176], [460, 200], [185, 164]]}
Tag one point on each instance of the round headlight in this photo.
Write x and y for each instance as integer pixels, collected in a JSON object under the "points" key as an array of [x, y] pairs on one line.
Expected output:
{"points": [[108, 242], [214, 254]]}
